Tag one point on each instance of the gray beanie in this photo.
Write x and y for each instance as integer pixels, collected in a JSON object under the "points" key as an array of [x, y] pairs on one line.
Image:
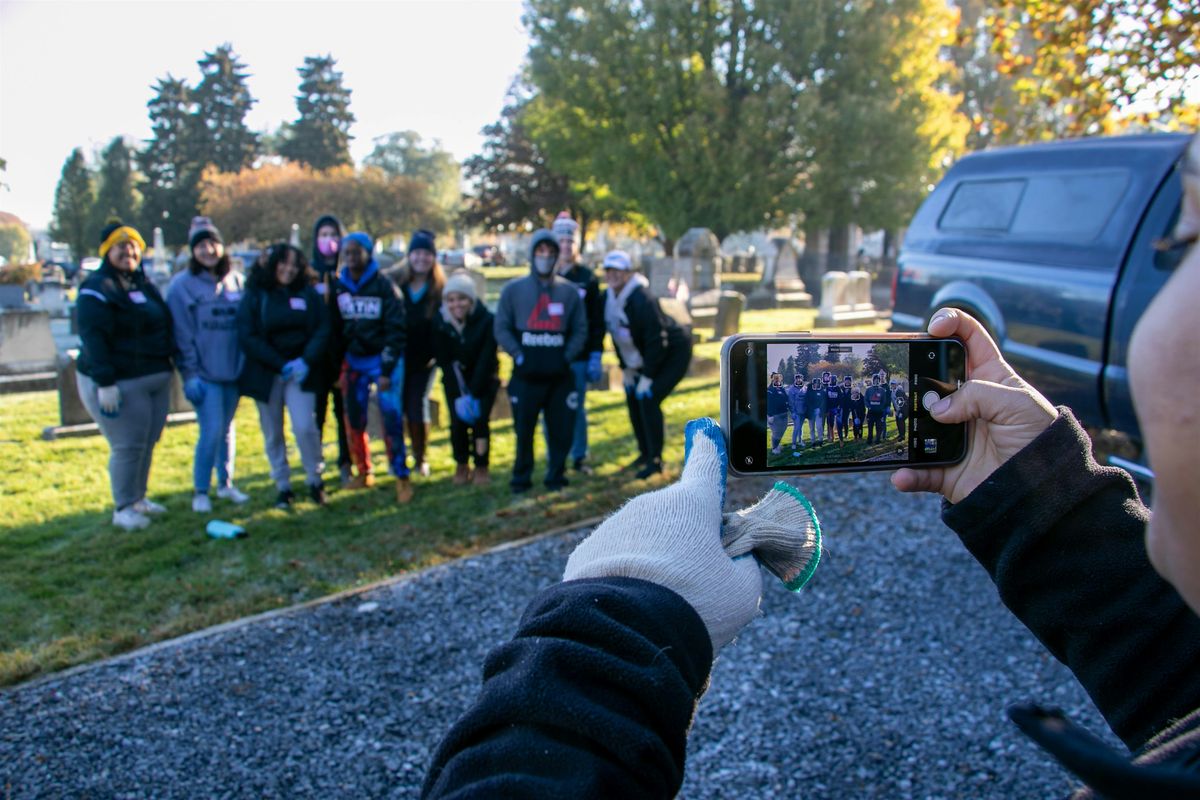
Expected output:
{"points": [[461, 283]]}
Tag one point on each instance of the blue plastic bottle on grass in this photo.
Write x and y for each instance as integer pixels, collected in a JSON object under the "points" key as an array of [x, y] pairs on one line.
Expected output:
{"points": [[219, 529]]}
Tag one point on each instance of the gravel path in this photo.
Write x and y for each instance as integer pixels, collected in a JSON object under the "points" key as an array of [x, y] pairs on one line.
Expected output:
{"points": [[886, 678]]}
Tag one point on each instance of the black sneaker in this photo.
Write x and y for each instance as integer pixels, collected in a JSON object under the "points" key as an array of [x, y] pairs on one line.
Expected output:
{"points": [[317, 492], [284, 499], [583, 468], [637, 463], [652, 468]]}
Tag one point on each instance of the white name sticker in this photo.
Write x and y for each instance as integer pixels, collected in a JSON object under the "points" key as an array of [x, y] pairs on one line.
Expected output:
{"points": [[137, 296], [321, 289], [298, 304], [554, 309]]}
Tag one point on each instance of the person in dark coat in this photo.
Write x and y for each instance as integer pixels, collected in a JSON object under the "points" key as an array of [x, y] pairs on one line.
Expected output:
{"points": [[874, 399], [777, 411], [283, 328], [327, 242], [420, 281], [370, 318], [123, 374], [464, 344], [814, 407], [858, 411], [899, 406], [654, 353]]}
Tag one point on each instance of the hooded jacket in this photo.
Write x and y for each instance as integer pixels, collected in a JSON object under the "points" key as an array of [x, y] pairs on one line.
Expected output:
{"points": [[474, 348], [125, 328], [540, 322], [204, 311], [326, 268], [654, 333], [275, 325], [370, 317], [588, 288]]}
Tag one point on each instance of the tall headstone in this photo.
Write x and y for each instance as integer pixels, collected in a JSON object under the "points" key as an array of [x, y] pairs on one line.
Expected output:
{"points": [[698, 260], [839, 304], [781, 285]]}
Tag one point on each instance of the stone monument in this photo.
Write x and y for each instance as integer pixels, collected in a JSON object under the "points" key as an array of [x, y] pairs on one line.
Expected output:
{"points": [[781, 285], [840, 301]]}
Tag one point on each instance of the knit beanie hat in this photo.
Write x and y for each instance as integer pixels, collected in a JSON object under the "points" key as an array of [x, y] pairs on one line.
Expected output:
{"points": [[421, 240], [564, 227], [116, 231], [363, 241], [202, 228], [462, 283]]}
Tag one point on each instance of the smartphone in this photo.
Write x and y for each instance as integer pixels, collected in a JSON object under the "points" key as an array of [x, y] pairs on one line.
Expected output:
{"points": [[860, 400]]}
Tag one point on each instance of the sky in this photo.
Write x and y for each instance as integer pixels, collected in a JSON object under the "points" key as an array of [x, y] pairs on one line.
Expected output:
{"points": [[76, 73]]}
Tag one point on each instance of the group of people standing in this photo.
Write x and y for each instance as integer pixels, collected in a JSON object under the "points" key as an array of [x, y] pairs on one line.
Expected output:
{"points": [[295, 331], [830, 407]]}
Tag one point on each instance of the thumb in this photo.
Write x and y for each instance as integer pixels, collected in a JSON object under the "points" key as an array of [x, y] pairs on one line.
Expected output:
{"points": [[982, 400], [704, 460]]}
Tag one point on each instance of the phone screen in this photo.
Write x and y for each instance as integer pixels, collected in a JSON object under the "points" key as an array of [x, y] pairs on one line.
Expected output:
{"points": [[805, 404]]}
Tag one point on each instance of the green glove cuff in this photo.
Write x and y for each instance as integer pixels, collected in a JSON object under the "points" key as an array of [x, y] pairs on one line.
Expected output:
{"points": [[782, 532]]}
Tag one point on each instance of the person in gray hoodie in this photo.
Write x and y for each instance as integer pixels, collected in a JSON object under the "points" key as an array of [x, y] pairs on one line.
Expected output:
{"points": [[204, 300], [540, 322]]}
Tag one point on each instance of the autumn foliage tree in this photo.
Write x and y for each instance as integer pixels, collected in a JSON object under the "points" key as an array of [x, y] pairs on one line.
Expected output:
{"points": [[262, 204]]}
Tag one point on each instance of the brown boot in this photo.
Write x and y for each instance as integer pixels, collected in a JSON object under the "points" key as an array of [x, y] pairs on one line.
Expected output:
{"points": [[462, 474], [404, 490], [363, 480], [481, 477]]}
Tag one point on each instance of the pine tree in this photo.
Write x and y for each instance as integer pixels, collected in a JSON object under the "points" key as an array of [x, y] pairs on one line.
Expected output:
{"points": [[170, 162], [222, 102], [73, 201], [320, 137], [116, 194]]}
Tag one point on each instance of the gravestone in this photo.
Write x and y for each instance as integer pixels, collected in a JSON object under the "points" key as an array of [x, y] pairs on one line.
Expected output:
{"points": [[660, 272], [12, 295], [698, 260], [781, 285], [837, 303], [74, 418], [859, 295], [51, 296], [729, 314], [26, 342]]}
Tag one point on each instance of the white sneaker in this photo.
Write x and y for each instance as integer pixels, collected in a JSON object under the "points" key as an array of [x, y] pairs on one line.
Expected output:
{"points": [[232, 493], [129, 519], [777, 451], [201, 504], [148, 506]]}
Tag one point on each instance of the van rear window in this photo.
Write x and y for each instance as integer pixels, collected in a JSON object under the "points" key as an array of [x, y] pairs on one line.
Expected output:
{"points": [[1067, 207]]}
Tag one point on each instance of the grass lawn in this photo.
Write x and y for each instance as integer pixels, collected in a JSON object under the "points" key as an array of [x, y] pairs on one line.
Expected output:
{"points": [[73, 588]]}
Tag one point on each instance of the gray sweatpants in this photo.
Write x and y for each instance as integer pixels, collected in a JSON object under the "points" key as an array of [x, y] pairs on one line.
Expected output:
{"points": [[302, 408], [778, 426], [133, 432]]}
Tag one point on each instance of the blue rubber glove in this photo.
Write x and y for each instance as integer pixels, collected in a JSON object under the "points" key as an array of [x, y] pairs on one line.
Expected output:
{"points": [[645, 388], [194, 390], [594, 370], [397, 389], [466, 408], [520, 359], [295, 370]]}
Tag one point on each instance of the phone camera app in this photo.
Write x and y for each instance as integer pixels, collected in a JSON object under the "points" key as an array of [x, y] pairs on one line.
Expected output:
{"points": [[931, 445]]}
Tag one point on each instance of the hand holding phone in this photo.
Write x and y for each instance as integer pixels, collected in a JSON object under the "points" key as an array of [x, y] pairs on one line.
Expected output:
{"points": [[1007, 413]]}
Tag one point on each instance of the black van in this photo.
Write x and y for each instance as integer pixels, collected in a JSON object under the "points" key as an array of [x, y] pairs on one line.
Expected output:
{"points": [[1051, 247]]}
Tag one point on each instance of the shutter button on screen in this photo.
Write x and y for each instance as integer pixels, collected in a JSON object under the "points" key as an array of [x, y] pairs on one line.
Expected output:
{"points": [[929, 398]]}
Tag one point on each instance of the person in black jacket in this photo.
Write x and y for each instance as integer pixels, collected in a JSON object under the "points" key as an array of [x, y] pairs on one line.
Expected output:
{"points": [[124, 369], [464, 343], [420, 281], [327, 243], [587, 366], [653, 350], [370, 321], [283, 328]]}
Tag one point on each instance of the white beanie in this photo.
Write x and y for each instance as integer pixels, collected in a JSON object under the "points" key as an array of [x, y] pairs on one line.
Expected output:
{"points": [[564, 227], [462, 283]]}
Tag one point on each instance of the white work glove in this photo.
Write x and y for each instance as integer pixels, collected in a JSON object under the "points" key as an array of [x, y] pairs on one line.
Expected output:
{"points": [[629, 377], [110, 400], [673, 537], [645, 388]]}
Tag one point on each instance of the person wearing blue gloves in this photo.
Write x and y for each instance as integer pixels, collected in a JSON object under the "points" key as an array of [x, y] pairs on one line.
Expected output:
{"points": [[654, 352], [586, 368], [283, 327], [204, 299], [370, 319], [124, 369], [464, 344]]}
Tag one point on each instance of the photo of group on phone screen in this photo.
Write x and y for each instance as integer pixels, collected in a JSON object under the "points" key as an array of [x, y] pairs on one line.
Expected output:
{"points": [[837, 402]]}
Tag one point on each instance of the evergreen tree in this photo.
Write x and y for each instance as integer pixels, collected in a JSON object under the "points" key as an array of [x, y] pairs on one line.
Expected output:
{"points": [[116, 192], [73, 201], [170, 162], [321, 136], [222, 102]]}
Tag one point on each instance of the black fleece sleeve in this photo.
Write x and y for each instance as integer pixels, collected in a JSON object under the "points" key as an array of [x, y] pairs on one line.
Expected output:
{"points": [[316, 351], [487, 364], [395, 327], [250, 332], [646, 328], [95, 319], [593, 697], [593, 301], [1062, 537]]}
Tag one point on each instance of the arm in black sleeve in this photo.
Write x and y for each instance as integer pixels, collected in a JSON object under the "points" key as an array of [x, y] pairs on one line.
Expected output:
{"points": [[250, 332], [487, 364], [95, 319], [593, 697], [593, 301], [317, 349], [395, 327], [646, 327], [1062, 537]]}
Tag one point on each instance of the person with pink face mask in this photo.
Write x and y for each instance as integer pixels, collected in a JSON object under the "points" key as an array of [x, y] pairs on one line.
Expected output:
{"points": [[327, 241]]}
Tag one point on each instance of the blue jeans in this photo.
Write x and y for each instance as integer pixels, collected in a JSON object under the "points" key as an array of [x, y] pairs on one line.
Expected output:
{"points": [[217, 443]]}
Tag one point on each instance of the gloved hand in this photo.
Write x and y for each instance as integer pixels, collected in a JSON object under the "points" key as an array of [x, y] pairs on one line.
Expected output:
{"points": [[629, 377], [194, 390], [295, 370], [594, 368], [467, 409], [519, 359], [110, 400], [672, 537], [644, 388]]}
